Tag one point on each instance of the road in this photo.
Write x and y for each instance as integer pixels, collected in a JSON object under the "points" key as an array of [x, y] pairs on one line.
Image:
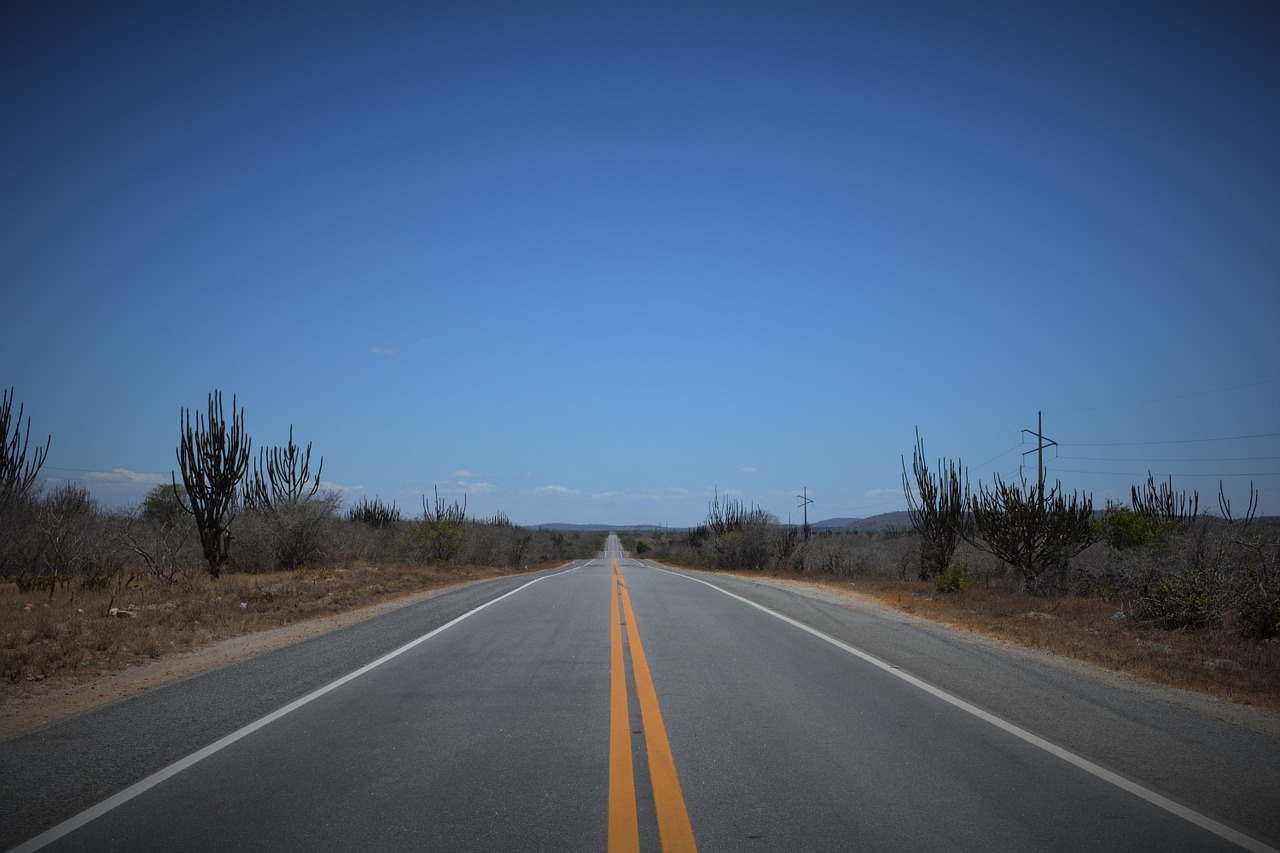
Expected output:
{"points": [[615, 705]]}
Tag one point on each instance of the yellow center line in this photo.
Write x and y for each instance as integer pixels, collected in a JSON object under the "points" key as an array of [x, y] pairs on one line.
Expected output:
{"points": [[674, 829], [624, 830]]}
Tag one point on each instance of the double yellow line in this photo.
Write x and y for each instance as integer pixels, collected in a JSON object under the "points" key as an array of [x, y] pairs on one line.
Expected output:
{"points": [[674, 830]]}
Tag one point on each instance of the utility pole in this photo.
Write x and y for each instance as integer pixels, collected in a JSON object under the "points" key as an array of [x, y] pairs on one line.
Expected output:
{"points": [[1041, 444], [804, 502]]}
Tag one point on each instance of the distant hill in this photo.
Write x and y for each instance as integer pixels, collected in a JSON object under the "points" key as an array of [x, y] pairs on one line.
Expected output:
{"points": [[876, 523], [613, 527], [883, 521]]}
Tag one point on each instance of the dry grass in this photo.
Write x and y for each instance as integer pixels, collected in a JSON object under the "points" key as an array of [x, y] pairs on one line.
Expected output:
{"points": [[1216, 661], [73, 638]]}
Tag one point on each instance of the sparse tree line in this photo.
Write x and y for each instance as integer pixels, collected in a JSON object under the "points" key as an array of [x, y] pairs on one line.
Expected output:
{"points": [[1159, 559], [225, 510]]}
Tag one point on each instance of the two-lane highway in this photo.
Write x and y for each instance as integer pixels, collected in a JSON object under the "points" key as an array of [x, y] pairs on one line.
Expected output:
{"points": [[618, 705]]}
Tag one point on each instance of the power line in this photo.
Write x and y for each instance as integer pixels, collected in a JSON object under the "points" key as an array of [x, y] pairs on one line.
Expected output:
{"points": [[1144, 473], [1174, 441], [1163, 399], [1213, 459], [998, 455]]}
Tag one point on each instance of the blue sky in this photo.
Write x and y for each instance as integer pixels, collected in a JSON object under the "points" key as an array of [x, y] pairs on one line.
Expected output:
{"points": [[591, 262]]}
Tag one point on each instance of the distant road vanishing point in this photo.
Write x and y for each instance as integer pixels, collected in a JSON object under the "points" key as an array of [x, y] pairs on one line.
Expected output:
{"points": [[617, 705]]}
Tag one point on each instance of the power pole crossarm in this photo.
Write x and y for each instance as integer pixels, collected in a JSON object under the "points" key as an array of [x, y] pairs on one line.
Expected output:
{"points": [[1041, 444], [805, 500]]}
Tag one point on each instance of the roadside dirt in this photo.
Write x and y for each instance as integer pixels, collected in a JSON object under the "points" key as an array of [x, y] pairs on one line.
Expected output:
{"points": [[1246, 716], [46, 702], [43, 703]]}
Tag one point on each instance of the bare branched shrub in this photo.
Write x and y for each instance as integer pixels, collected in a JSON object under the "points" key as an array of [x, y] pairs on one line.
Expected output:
{"points": [[302, 530], [789, 548], [496, 543], [747, 542], [828, 555], [19, 535], [1256, 579], [65, 520], [164, 545]]}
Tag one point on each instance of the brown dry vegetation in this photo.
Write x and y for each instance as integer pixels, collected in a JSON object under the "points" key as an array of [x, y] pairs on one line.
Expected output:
{"points": [[1216, 661], [74, 637], [1194, 610]]}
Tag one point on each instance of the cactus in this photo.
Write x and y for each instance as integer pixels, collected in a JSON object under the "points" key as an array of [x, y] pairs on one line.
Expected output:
{"points": [[213, 461], [1161, 504], [287, 477], [938, 515], [17, 472], [1034, 530]]}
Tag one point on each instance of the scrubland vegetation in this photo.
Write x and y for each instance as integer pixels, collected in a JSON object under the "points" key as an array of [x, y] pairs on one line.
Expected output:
{"points": [[1154, 589], [230, 549], [87, 589]]}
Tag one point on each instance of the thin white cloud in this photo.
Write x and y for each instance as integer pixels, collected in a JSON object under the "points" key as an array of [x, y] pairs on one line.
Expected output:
{"points": [[883, 493], [750, 469], [554, 490], [125, 477], [464, 475], [382, 351]]}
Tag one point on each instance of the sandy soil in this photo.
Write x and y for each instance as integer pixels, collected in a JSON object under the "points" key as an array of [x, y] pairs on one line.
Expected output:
{"points": [[45, 702]]}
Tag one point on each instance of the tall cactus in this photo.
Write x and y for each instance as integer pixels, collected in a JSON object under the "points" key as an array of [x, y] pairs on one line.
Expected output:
{"points": [[939, 514], [1162, 505], [17, 472], [282, 476], [213, 460], [1035, 531]]}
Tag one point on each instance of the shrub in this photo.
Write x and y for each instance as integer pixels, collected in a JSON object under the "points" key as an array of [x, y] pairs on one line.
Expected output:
{"points": [[1259, 610], [1191, 599], [301, 531], [1122, 529], [953, 579], [161, 505]]}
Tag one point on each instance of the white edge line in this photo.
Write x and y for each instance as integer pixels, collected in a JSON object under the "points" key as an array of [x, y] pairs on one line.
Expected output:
{"points": [[1177, 809], [92, 813]]}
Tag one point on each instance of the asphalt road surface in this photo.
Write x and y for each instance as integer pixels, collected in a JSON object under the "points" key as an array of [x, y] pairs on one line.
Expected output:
{"points": [[615, 705]]}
